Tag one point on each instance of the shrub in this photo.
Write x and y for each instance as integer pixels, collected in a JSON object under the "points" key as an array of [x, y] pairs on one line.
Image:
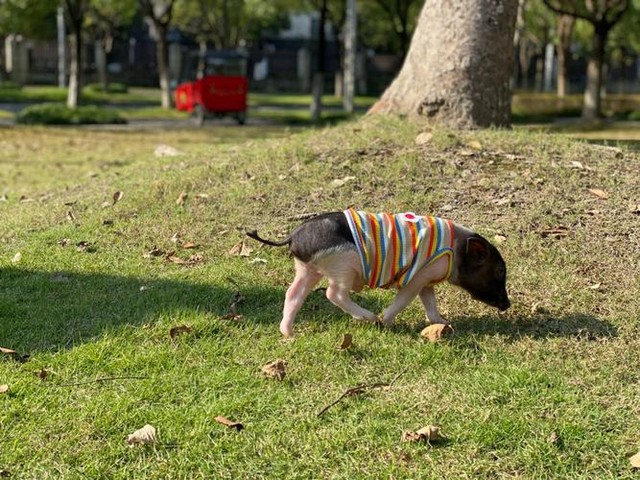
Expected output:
{"points": [[111, 88], [58, 114], [635, 116]]}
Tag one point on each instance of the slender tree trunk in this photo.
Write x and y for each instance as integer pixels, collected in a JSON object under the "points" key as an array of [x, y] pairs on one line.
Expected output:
{"points": [[162, 51], [318, 78], [458, 67], [202, 60], [565, 24], [75, 70], [101, 64]]}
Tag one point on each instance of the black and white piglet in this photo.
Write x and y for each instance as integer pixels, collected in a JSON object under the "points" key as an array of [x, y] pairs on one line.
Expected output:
{"points": [[405, 251]]}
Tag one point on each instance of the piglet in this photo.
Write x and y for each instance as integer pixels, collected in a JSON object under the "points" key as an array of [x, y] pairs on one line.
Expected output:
{"points": [[381, 250]]}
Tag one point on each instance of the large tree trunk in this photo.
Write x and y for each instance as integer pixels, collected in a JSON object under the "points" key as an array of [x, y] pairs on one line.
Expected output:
{"points": [[565, 25], [459, 65], [591, 107]]}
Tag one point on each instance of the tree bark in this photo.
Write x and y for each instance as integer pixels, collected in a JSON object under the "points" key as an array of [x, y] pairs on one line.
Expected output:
{"points": [[318, 77], [75, 17], [458, 67], [75, 71], [565, 24], [162, 52], [591, 106]]}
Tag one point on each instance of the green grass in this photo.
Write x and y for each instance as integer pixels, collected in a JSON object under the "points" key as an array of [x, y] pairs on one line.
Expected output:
{"points": [[562, 361]]}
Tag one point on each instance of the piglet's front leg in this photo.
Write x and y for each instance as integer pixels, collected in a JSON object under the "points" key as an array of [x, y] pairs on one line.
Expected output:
{"points": [[428, 299], [421, 284]]}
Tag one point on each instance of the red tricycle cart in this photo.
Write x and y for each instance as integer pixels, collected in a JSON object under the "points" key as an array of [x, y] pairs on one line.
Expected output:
{"points": [[220, 90]]}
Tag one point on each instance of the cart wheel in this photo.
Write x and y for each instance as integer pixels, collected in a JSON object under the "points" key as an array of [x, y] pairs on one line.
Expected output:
{"points": [[241, 118], [198, 115]]}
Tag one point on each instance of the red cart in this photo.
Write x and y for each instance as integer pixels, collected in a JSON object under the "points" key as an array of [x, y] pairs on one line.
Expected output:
{"points": [[221, 89]]}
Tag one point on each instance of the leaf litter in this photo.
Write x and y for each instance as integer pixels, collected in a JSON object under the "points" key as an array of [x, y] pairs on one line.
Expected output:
{"points": [[143, 436], [429, 434], [229, 423], [276, 369]]}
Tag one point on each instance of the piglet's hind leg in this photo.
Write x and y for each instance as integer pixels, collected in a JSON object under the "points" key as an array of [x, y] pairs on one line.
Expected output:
{"points": [[306, 278]]}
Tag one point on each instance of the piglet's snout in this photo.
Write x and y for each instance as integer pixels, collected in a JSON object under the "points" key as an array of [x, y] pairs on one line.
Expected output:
{"points": [[504, 302]]}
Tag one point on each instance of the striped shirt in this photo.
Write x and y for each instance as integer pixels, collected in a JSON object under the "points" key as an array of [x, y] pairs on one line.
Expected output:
{"points": [[394, 247]]}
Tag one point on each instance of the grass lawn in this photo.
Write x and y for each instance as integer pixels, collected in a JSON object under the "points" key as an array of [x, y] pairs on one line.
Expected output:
{"points": [[90, 288]]}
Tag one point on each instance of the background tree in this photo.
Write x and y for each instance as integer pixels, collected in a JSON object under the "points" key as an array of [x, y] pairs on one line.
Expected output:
{"points": [[602, 15], [30, 18], [458, 67], [228, 24], [105, 18], [387, 25], [158, 14], [75, 11], [536, 34]]}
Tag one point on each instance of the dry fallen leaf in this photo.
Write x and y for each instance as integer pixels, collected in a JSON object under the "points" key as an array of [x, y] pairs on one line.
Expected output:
{"points": [[42, 374], [166, 151], [499, 238], [182, 198], [231, 424], [428, 434], [599, 193], [70, 216], [347, 341], [558, 232], [175, 331], [176, 260], [435, 332], [154, 252], [423, 138], [84, 246], [338, 182], [146, 434], [4, 388], [8, 351], [476, 145], [240, 250], [276, 369], [117, 197], [188, 245], [16, 258], [635, 460]]}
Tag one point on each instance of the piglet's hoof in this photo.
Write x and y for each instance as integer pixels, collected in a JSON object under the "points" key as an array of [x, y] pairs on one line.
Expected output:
{"points": [[435, 332]]}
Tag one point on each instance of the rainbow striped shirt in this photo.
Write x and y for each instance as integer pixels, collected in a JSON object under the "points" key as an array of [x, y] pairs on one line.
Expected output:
{"points": [[394, 247]]}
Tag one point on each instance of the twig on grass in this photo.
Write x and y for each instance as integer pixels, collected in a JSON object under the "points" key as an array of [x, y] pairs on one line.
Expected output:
{"points": [[359, 389], [97, 380]]}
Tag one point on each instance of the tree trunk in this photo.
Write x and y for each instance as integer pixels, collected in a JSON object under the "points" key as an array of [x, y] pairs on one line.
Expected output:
{"points": [[591, 107], [162, 52], [101, 64], [75, 70], [565, 25], [458, 67], [318, 77]]}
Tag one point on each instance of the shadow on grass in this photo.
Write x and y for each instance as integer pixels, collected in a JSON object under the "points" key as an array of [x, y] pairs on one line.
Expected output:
{"points": [[43, 311], [575, 325]]}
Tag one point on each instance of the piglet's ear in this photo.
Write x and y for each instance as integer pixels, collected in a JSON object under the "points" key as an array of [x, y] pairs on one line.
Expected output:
{"points": [[477, 248]]}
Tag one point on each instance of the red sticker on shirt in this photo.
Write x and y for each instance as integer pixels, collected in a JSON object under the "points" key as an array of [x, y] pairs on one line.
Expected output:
{"points": [[411, 217]]}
